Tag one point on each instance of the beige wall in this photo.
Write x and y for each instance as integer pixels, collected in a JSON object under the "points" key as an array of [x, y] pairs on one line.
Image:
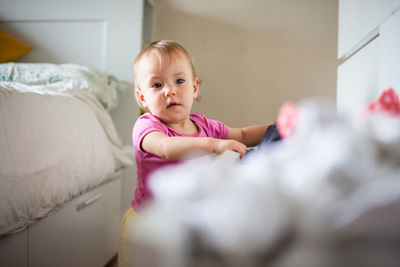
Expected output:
{"points": [[254, 55]]}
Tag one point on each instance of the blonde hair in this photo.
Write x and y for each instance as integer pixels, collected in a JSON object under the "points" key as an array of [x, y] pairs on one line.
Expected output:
{"points": [[160, 48]]}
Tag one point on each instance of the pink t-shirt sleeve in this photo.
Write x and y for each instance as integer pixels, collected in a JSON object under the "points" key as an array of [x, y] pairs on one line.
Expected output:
{"points": [[144, 125], [213, 128], [219, 130]]}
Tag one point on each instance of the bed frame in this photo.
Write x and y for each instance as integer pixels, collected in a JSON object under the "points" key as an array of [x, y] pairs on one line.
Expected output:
{"points": [[105, 35]]}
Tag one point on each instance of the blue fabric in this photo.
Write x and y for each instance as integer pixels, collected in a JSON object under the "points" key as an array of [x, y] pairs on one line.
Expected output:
{"points": [[271, 136]]}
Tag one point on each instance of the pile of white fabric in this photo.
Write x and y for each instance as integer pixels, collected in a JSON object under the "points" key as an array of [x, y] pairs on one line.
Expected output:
{"points": [[327, 196]]}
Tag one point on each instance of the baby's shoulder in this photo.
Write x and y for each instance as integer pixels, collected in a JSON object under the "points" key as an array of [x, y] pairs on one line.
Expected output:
{"points": [[148, 120], [201, 120], [198, 117]]}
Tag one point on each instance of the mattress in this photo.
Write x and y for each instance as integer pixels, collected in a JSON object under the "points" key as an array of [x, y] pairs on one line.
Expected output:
{"points": [[56, 143]]}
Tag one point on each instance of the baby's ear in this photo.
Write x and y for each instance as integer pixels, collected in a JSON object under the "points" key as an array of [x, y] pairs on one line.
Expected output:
{"points": [[140, 96], [196, 86]]}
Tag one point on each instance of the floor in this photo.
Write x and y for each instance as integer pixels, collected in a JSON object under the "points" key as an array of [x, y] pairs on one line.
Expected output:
{"points": [[113, 262]]}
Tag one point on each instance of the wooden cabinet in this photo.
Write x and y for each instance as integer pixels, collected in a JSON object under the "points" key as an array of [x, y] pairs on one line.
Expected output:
{"points": [[395, 5], [389, 59], [359, 21], [369, 37], [358, 81]]}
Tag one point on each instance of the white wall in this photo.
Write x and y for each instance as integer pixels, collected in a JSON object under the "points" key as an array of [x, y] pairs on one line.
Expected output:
{"points": [[253, 55]]}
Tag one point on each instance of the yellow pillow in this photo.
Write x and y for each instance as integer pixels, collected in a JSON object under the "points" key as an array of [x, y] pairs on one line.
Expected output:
{"points": [[10, 48]]}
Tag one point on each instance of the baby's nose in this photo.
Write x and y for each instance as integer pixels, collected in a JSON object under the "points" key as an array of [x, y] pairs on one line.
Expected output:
{"points": [[170, 90]]}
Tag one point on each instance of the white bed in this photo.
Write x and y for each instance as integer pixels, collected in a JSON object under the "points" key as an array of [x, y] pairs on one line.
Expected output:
{"points": [[65, 139]]}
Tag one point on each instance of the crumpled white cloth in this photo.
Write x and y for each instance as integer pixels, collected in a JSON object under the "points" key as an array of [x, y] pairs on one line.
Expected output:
{"points": [[327, 196], [61, 77], [55, 145]]}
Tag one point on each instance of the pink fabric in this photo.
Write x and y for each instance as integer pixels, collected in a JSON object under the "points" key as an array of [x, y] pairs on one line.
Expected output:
{"points": [[287, 119], [147, 162], [387, 102]]}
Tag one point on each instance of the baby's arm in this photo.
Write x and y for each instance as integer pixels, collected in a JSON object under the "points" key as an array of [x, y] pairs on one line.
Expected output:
{"points": [[178, 147], [250, 136]]}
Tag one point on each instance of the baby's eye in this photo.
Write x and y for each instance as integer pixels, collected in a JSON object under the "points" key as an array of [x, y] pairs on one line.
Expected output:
{"points": [[179, 81], [156, 85]]}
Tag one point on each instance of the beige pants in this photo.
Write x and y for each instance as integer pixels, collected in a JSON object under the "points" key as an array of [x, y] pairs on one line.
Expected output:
{"points": [[125, 250]]}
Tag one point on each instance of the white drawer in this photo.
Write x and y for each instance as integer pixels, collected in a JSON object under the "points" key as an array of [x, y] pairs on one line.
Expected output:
{"points": [[14, 250], [395, 5], [358, 80], [84, 232], [359, 21], [389, 64]]}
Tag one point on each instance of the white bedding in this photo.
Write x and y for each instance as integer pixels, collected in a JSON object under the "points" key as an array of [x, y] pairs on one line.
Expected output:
{"points": [[55, 145]]}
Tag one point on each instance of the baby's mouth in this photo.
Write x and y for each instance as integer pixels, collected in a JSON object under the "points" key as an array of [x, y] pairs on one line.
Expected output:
{"points": [[172, 105]]}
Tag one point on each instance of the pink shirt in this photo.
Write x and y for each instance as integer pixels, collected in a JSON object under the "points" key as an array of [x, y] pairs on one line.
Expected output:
{"points": [[147, 162]]}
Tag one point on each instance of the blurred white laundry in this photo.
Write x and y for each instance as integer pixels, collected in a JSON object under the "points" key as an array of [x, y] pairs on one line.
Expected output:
{"points": [[327, 196]]}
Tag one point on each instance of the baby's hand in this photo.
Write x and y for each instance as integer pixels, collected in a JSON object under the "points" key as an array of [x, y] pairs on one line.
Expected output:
{"points": [[221, 145]]}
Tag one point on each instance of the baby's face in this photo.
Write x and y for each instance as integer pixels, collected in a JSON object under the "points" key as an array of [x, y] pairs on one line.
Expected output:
{"points": [[167, 86]]}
